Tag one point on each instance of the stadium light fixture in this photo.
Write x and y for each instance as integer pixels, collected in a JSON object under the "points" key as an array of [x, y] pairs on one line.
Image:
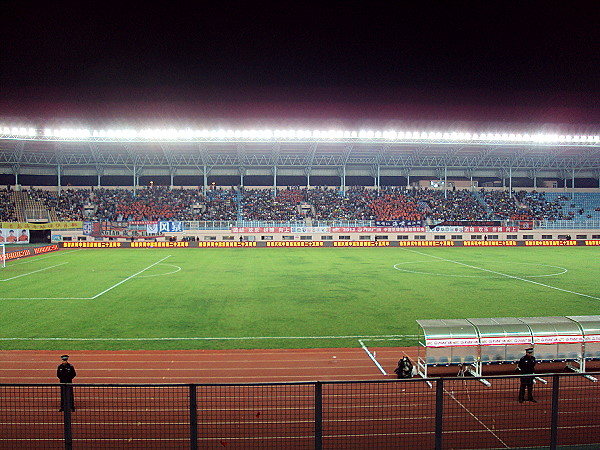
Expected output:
{"points": [[265, 134]]}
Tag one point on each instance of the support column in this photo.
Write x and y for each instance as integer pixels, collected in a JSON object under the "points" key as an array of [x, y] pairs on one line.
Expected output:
{"points": [[445, 182], [58, 178]]}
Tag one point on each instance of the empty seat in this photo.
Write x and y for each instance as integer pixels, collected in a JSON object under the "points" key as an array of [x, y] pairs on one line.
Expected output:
{"points": [[430, 360], [443, 360]]}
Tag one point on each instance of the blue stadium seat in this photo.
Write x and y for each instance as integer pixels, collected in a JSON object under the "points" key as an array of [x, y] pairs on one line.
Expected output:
{"points": [[469, 359], [431, 361], [444, 360], [485, 359], [573, 355], [456, 359]]}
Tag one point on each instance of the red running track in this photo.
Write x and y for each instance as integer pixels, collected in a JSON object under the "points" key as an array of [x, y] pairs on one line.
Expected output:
{"points": [[365, 415], [203, 366]]}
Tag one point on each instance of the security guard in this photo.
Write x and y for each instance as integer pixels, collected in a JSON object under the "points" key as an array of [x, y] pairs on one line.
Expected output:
{"points": [[66, 373], [526, 366]]}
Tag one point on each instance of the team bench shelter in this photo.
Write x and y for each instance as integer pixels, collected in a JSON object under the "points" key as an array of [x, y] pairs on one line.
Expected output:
{"points": [[475, 343]]}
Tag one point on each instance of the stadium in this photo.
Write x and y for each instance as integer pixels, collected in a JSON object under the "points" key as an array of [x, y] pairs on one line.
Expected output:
{"points": [[335, 226], [297, 263]]}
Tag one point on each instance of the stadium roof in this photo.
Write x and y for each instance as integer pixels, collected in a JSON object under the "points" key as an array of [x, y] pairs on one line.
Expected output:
{"points": [[306, 148]]}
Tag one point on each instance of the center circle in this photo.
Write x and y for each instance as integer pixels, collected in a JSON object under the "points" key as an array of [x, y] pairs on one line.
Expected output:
{"points": [[490, 273]]}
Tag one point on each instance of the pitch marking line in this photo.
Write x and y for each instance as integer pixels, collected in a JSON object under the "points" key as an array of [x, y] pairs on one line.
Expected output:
{"points": [[84, 298], [35, 271], [200, 338], [29, 260], [128, 278], [505, 275]]}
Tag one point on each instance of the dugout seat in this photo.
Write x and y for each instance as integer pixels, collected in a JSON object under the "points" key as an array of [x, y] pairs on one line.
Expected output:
{"points": [[444, 360]]}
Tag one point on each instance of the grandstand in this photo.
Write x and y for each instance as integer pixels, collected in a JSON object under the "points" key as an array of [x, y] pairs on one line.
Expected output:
{"points": [[151, 189]]}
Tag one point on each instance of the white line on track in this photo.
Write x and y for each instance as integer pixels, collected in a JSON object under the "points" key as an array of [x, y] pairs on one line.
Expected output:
{"points": [[476, 418], [35, 271], [381, 369], [504, 274]]}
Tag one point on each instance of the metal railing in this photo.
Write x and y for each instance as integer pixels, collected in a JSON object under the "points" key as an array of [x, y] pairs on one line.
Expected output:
{"points": [[440, 413]]}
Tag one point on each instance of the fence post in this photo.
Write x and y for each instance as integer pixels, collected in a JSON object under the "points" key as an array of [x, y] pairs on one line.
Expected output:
{"points": [[66, 393], [554, 420], [193, 418], [318, 415], [439, 412]]}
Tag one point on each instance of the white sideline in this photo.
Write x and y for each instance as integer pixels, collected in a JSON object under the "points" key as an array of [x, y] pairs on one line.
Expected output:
{"points": [[503, 274], [381, 337], [35, 271]]}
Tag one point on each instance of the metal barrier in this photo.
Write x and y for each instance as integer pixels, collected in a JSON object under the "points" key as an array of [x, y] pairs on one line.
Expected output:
{"points": [[455, 412]]}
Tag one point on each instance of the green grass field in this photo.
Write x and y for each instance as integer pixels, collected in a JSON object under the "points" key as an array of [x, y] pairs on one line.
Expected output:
{"points": [[280, 298]]}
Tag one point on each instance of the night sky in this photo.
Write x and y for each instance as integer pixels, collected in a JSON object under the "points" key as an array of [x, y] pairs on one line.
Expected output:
{"points": [[350, 63]]}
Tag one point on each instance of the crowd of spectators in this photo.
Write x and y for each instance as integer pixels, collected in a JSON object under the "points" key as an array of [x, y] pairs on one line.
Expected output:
{"points": [[7, 207], [523, 205], [292, 204]]}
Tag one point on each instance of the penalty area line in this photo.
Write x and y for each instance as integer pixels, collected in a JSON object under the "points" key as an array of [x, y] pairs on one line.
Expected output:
{"points": [[128, 278]]}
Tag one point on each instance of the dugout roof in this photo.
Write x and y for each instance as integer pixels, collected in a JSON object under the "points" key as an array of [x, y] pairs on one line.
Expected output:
{"points": [[502, 331]]}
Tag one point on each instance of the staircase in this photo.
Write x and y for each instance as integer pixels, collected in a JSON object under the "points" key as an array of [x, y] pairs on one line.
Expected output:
{"points": [[17, 198]]}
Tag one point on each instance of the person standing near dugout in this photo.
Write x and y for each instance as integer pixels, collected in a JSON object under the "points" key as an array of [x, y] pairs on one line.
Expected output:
{"points": [[65, 373], [526, 366], [405, 368]]}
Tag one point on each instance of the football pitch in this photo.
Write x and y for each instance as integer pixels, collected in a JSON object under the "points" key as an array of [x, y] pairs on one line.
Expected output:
{"points": [[161, 299]]}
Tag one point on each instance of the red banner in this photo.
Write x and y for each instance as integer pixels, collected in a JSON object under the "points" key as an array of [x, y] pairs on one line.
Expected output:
{"points": [[377, 229]]}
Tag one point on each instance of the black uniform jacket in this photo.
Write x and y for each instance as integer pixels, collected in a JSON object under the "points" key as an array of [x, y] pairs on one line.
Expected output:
{"points": [[66, 373], [527, 365]]}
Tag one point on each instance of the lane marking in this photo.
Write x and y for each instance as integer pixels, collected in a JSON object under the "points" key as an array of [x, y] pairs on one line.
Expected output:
{"points": [[35, 271], [504, 275], [451, 395]]}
